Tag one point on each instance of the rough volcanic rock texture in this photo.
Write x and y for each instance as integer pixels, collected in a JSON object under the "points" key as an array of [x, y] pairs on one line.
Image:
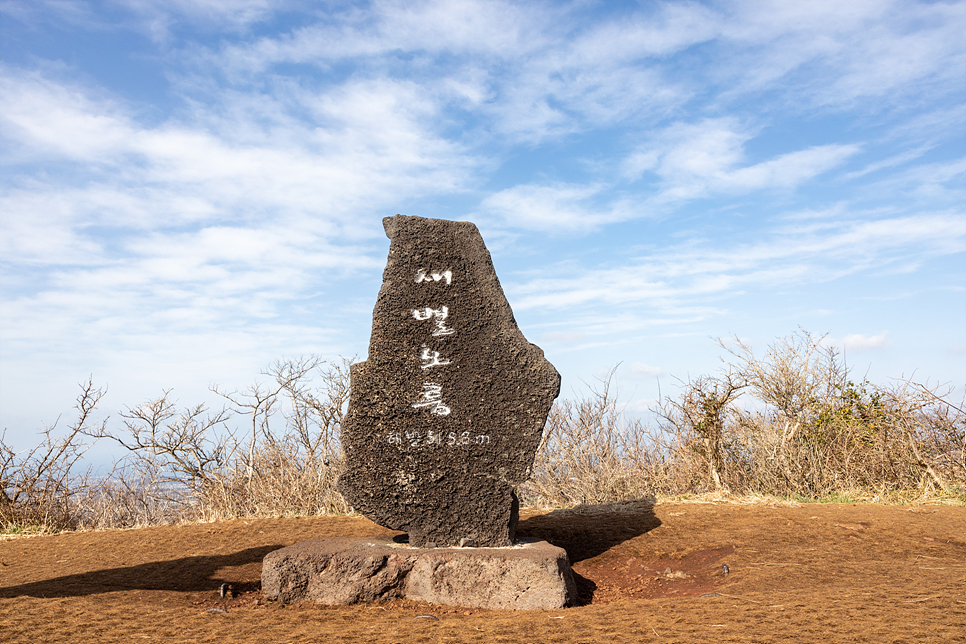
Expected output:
{"points": [[340, 571], [446, 413]]}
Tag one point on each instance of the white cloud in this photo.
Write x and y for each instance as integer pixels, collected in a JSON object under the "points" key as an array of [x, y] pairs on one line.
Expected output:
{"points": [[857, 342], [498, 29], [150, 239], [788, 170], [378, 147], [241, 215], [696, 160], [162, 19], [548, 71], [890, 162], [936, 182], [609, 73], [544, 69], [38, 12], [692, 160], [40, 229], [891, 58], [803, 253], [558, 208], [835, 53], [43, 118], [641, 371]]}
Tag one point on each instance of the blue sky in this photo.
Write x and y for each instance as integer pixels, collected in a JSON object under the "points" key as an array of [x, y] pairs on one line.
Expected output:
{"points": [[192, 189]]}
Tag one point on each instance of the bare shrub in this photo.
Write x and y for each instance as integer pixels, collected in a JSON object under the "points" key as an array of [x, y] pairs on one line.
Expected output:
{"points": [[934, 431], [790, 422], [293, 471], [590, 453], [810, 431], [130, 497], [204, 469], [183, 444], [700, 416], [39, 488]]}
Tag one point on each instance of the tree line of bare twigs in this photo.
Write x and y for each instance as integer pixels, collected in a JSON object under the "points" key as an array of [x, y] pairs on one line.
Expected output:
{"points": [[789, 423]]}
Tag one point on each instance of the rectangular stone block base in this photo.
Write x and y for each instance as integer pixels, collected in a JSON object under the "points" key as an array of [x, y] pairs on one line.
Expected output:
{"points": [[344, 570]]}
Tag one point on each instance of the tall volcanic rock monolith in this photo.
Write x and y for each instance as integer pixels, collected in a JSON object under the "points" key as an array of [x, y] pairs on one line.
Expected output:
{"points": [[446, 414]]}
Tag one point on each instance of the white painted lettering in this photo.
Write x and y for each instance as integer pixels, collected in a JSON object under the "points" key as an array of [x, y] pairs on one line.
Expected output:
{"points": [[422, 276], [432, 397], [439, 314], [431, 359]]}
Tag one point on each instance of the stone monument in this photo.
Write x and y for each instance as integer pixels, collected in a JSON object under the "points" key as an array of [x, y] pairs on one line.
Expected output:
{"points": [[446, 414], [444, 419]]}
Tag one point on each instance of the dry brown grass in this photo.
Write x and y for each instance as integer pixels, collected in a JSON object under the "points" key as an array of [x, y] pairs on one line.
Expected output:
{"points": [[788, 426], [41, 489]]}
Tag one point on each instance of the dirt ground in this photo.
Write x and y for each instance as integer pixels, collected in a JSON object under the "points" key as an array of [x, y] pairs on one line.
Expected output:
{"points": [[812, 573]]}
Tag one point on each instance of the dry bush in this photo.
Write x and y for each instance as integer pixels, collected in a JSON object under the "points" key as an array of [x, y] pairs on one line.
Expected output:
{"points": [[130, 497], [293, 471], [934, 430], [39, 489], [701, 417], [810, 431], [789, 423], [590, 453], [205, 469], [278, 481]]}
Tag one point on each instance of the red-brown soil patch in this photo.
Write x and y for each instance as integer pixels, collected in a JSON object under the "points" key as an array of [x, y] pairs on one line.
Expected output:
{"points": [[813, 573]]}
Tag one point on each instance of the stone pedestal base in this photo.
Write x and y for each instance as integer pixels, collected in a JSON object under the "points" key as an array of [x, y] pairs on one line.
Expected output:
{"points": [[344, 570]]}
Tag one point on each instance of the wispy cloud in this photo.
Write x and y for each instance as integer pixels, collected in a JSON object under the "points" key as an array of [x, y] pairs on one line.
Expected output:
{"points": [[377, 137], [211, 226], [641, 371], [689, 161], [162, 19], [638, 169], [695, 160], [890, 162], [800, 253], [377, 147], [558, 208], [857, 342], [58, 12], [832, 54]]}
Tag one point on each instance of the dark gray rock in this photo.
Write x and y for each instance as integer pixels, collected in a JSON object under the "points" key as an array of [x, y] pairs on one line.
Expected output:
{"points": [[340, 571], [446, 413]]}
